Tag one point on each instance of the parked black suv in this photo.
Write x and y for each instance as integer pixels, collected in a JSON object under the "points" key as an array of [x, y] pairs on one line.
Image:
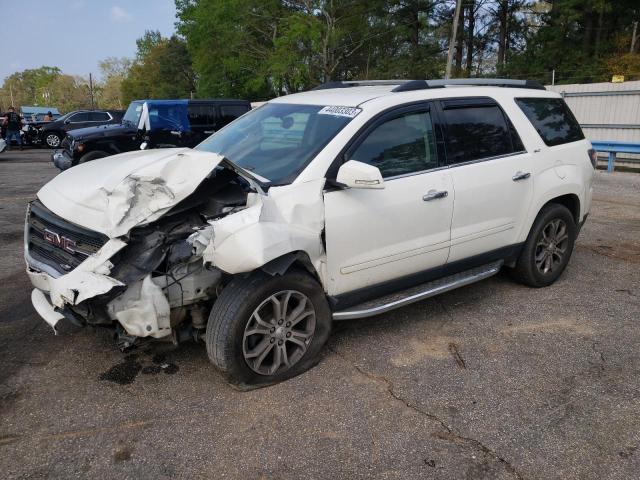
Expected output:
{"points": [[150, 124], [52, 133]]}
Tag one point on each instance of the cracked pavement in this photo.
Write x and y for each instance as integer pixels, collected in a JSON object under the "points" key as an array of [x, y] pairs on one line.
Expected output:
{"points": [[494, 380]]}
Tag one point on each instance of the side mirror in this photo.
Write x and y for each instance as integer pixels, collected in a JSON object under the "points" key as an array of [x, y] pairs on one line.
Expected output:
{"points": [[67, 122], [355, 174]]}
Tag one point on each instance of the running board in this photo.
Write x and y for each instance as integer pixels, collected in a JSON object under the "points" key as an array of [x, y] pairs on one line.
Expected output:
{"points": [[420, 292]]}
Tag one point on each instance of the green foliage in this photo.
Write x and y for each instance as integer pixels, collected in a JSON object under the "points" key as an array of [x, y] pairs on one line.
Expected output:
{"points": [[109, 91], [162, 69], [45, 86], [258, 49], [580, 39]]}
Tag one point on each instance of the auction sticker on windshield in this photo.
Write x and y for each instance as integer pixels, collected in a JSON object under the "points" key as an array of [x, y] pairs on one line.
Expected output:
{"points": [[340, 111]]}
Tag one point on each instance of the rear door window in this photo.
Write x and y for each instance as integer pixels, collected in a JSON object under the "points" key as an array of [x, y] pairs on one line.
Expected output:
{"points": [[202, 115], [478, 129], [228, 113], [552, 119], [99, 117], [79, 117]]}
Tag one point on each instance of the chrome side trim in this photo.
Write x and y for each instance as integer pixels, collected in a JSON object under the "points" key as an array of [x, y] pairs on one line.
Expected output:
{"points": [[491, 270], [487, 159], [455, 165]]}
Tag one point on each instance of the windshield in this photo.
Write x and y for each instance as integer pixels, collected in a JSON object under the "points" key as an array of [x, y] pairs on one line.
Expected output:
{"points": [[277, 140], [132, 115]]}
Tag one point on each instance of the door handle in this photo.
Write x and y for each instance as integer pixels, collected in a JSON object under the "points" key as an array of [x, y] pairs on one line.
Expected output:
{"points": [[521, 176], [434, 194]]}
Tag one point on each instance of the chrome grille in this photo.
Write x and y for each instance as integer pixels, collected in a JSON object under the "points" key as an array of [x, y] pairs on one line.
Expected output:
{"points": [[53, 241]]}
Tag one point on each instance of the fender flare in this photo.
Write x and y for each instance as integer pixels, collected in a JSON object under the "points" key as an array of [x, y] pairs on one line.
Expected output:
{"points": [[283, 263]]}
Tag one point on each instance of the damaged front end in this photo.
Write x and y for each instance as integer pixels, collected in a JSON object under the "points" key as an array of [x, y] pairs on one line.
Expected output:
{"points": [[149, 282], [146, 250]]}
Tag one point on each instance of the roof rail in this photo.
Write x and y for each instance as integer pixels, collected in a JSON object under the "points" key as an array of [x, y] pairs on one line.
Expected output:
{"points": [[468, 82], [360, 83], [409, 85]]}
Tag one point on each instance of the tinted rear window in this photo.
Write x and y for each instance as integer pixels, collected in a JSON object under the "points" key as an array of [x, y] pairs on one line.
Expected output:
{"points": [[478, 131], [231, 112], [552, 119], [99, 117], [79, 117], [202, 115]]}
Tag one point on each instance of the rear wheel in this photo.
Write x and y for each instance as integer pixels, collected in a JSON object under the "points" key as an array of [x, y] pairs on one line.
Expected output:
{"points": [[87, 157], [53, 139], [264, 329], [548, 247]]}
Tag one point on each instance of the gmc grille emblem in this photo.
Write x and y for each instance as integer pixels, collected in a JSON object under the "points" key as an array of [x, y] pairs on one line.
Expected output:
{"points": [[59, 241]]}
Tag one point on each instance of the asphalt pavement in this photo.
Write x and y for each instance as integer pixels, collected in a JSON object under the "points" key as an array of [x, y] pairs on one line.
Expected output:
{"points": [[491, 381]]}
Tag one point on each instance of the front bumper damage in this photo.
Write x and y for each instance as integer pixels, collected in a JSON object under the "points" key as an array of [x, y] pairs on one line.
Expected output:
{"points": [[55, 297], [166, 256], [61, 159], [88, 295]]}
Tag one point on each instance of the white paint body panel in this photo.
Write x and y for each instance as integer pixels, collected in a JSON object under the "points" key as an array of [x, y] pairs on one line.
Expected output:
{"points": [[377, 235], [489, 205], [372, 235], [112, 195]]}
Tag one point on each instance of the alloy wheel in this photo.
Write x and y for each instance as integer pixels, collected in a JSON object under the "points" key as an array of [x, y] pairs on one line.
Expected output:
{"points": [[552, 246], [279, 332], [53, 140]]}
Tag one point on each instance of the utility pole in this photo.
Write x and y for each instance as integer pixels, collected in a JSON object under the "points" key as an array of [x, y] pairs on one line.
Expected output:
{"points": [[633, 37], [11, 92], [553, 76], [454, 35], [91, 90]]}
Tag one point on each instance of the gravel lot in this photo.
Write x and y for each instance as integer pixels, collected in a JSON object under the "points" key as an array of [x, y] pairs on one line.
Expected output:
{"points": [[494, 380]]}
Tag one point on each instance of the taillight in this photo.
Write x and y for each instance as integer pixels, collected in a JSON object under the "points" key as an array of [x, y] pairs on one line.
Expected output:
{"points": [[593, 156]]}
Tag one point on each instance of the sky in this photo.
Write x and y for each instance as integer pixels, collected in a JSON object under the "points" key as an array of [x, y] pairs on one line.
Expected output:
{"points": [[75, 35]]}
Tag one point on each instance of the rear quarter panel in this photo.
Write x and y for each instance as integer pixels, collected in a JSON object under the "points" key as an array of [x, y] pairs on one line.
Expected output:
{"points": [[561, 170]]}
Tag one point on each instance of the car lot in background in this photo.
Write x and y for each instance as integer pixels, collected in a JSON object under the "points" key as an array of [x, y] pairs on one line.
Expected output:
{"points": [[32, 114], [50, 134], [494, 381], [150, 124], [33, 118]]}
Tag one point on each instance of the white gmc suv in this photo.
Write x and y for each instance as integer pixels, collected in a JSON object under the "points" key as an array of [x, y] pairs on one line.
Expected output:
{"points": [[338, 203]]}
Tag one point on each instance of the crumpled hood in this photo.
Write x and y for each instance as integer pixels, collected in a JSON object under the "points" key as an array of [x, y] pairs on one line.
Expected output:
{"points": [[111, 195]]}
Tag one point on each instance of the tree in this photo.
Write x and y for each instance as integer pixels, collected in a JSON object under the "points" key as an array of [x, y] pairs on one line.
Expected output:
{"points": [[577, 38], [162, 69], [109, 91], [45, 86]]}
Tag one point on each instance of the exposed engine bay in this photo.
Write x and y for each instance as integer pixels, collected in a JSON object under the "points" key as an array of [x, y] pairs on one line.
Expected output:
{"points": [[161, 277]]}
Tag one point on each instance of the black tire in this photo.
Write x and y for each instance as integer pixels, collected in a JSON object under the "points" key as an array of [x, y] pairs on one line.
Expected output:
{"points": [[52, 139], [87, 157], [533, 267], [232, 313]]}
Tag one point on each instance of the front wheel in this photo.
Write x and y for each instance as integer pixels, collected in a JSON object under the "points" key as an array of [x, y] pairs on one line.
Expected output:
{"points": [[87, 157], [265, 329], [53, 139], [548, 247]]}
